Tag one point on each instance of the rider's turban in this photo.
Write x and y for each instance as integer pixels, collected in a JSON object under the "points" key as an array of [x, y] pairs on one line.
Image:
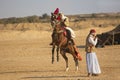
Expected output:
{"points": [[56, 11], [92, 31]]}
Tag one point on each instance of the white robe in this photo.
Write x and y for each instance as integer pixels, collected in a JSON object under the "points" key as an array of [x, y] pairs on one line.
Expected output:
{"points": [[92, 63], [91, 59]]}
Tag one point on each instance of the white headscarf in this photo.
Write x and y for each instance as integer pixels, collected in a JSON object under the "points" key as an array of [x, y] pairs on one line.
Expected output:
{"points": [[63, 17]]}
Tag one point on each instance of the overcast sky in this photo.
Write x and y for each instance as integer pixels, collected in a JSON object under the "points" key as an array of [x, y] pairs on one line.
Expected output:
{"points": [[22, 8]]}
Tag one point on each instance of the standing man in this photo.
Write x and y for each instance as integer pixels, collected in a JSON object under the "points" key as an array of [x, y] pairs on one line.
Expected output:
{"points": [[93, 67]]}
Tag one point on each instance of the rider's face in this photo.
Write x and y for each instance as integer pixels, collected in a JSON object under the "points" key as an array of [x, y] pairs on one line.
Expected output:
{"points": [[94, 34]]}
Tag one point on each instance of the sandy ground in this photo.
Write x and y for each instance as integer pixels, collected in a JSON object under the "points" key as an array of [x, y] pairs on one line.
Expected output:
{"points": [[27, 56]]}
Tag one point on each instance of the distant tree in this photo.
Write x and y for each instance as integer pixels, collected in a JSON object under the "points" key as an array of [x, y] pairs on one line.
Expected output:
{"points": [[33, 19], [1, 21], [29, 19], [22, 20], [93, 15], [45, 16], [12, 20]]}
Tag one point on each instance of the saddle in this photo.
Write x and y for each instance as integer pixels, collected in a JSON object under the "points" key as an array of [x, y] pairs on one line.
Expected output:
{"points": [[67, 33]]}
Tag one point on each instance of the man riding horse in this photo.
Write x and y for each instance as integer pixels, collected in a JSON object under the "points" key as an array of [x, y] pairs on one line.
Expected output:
{"points": [[60, 18]]}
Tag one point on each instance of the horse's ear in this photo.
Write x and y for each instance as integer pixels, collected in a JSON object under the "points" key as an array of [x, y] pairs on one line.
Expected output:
{"points": [[51, 13]]}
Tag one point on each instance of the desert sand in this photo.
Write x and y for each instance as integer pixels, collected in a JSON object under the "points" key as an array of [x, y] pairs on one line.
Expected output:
{"points": [[26, 55]]}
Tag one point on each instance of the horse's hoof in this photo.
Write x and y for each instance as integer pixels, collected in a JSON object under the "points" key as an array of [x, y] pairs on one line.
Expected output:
{"points": [[52, 62], [67, 69], [77, 68], [57, 59]]}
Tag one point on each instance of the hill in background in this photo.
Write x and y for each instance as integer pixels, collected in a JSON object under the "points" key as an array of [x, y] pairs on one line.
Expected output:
{"points": [[77, 22]]}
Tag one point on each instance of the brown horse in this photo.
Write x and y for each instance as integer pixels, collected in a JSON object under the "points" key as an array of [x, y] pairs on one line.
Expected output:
{"points": [[59, 40], [65, 47]]}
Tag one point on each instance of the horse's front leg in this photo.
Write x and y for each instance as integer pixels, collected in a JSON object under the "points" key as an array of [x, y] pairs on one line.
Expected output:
{"points": [[57, 53], [53, 48]]}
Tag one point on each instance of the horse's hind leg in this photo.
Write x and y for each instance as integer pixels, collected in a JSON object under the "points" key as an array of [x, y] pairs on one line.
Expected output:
{"points": [[65, 58], [72, 51], [53, 48], [76, 63], [57, 53]]}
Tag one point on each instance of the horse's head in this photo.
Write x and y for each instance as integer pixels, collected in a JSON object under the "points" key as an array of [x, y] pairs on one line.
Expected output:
{"points": [[53, 20]]}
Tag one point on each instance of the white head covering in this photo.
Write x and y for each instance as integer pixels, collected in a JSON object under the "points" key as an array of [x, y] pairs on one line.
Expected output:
{"points": [[63, 17]]}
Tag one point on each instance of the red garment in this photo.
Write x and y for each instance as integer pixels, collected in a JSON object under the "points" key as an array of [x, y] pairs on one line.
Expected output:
{"points": [[58, 18], [56, 11]]}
